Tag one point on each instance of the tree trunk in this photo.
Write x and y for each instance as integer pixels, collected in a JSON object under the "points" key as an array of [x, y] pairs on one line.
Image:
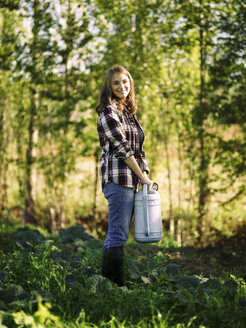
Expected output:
{"points": [[52, 225], [179, 222], [20, 158], [191, 203], [94, 210], [3, 163], [165, 139], [1, 157], [29, 202], [203, 166], [62, 207], [3, 96]]}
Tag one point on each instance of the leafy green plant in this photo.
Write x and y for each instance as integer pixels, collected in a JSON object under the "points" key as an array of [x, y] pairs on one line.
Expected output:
{"points": [[40, 318], [58, 283]]}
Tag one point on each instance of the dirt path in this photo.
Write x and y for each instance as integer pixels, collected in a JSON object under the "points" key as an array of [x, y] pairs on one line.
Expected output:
{"points": [[209, 262]]}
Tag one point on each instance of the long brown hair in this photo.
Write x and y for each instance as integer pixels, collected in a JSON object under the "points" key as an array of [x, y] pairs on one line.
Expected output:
{"points": [[107, 97]]}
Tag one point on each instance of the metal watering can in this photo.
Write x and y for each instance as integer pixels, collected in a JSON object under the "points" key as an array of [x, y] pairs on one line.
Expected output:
{"points": [[147, 216]]}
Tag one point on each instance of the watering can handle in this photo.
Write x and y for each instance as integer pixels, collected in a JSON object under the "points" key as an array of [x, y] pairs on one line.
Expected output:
{"points": [[145, 209]]}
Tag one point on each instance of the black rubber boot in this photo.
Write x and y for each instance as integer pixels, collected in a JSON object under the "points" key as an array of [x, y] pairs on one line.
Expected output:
{"points": [[104, 262], [113, 265]]}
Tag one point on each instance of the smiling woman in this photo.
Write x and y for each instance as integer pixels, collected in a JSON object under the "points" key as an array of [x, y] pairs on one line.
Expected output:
{"points": [[120, 85], [117, 91], [122, 164]]}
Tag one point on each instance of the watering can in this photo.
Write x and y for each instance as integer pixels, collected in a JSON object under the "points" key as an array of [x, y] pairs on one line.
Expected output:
{"points": [[147, 216]]}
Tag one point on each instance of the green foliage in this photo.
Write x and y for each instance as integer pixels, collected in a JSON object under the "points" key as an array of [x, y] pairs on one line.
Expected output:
{"points": [[41, 318], [50, 284], [187, 59]]}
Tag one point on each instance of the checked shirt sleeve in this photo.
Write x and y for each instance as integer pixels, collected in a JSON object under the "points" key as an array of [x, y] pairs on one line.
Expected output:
{"points": [[113, 131]]}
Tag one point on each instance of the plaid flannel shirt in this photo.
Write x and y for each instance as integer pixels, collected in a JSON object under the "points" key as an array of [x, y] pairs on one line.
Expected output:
{"points": [[118, 137]]}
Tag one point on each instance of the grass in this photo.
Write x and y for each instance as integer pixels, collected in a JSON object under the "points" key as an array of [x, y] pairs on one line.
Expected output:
{"points": [[56, 282]]}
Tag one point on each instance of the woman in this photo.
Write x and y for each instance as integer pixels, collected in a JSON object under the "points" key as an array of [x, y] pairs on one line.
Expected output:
{"points": [[122, 164]]}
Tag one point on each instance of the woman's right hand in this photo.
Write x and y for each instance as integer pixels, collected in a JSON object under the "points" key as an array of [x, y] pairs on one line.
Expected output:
{"points": [[146, 180], [133, 165]]}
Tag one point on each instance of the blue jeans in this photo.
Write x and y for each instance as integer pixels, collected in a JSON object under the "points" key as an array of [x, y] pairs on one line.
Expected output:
{"points": [[120, 211]]}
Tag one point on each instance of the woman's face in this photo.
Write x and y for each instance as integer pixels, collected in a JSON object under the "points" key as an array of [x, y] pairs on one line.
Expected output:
{"points": [[120, 85]]}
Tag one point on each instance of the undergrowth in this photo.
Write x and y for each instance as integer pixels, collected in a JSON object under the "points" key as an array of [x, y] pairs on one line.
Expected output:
{"points": [[47, 282]]}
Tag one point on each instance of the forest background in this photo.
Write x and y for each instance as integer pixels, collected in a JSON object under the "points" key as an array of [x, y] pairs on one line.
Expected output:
{"points": [[188, 61]]}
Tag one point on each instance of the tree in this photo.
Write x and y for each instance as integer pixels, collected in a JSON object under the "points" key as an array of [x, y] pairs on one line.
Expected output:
{"points": [[64, 93], [31, 63], [7, 41], [228, 98]]}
